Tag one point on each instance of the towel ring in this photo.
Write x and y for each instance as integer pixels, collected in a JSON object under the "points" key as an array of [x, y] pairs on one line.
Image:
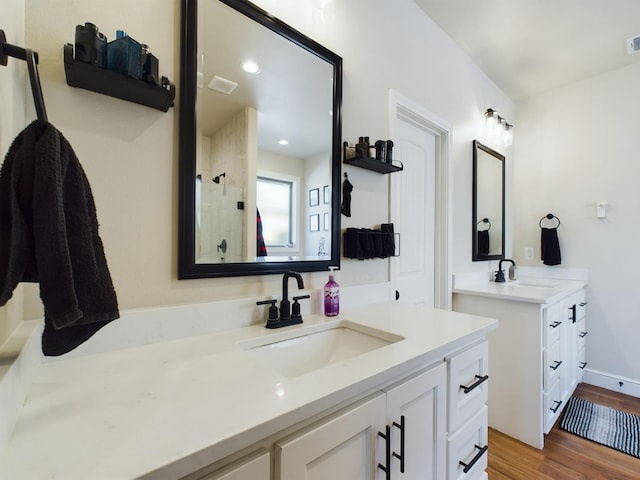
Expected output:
{"points": [[485, 220], [549, 216]]}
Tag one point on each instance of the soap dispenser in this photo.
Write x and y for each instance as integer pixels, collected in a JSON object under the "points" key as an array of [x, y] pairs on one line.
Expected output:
{"points": [[331, 296]]}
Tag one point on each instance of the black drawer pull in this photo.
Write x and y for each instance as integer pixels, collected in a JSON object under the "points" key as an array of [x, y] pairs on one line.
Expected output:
{"points": [[475, 384], [555, 408], [401, 456], [583, 304], [469, 466], [556, 364], [583, 334], [582, 365], [386, 468], [555, 324]]}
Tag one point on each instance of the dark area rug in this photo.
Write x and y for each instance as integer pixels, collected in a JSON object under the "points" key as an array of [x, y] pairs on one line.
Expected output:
{"points": [[604, 425]]}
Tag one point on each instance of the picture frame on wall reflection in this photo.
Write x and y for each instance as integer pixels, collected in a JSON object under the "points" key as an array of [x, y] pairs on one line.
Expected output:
{"points": [[314, 197], [326, 195], [314, 222]]}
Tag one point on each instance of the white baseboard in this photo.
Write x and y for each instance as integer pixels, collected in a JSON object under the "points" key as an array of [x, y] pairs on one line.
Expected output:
{"points": [[612, 382]]}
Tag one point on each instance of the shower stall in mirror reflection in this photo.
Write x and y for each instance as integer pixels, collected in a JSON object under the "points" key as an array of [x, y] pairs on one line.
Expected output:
{"points": [[223, 201]]}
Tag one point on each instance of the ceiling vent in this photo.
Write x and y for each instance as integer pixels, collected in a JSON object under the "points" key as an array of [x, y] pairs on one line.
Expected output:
{"points": [[633, 44], [222, 85]]}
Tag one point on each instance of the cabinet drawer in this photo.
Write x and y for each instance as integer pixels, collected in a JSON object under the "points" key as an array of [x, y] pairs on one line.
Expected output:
{"points": [[552, 406], [552, 321], [468, 385], [467, 448], [581, 305], [552, 365], [256, 467], [582, 363], [581, 331]]}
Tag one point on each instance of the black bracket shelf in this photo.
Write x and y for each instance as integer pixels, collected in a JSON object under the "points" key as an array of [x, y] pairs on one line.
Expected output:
{"points": [[369, 163], [100, 80]]}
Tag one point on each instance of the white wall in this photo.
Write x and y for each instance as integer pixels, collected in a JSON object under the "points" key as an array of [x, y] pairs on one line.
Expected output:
{"points": [[129, 152], [12, 120], [577, 146]]}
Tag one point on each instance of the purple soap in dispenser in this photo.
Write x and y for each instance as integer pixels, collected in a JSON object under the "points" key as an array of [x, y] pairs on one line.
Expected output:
{"points": [[331, 296]]}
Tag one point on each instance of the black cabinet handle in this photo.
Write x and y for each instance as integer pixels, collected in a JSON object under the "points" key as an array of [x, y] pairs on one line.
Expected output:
{"points": [[469, 466], [401, 456], [572, 317], [475, 384], [583, 304], [386, 468], [555, 324], [582, 365], [556, 364], [555, 408], [583, 334]]}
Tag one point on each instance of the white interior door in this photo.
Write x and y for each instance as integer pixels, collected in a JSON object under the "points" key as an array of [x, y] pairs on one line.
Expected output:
{"points": [[413, 213]]}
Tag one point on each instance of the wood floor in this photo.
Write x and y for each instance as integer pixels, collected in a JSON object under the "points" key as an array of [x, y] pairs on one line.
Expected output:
{"points": [[565, 456]]}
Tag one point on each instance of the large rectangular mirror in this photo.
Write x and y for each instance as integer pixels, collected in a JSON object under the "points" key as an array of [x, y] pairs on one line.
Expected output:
{"points": [[259, 150], [488, 203]]}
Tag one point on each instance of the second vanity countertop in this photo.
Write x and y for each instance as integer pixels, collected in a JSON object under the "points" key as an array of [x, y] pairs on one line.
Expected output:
{"points": [[164, 410], [525, 289]]}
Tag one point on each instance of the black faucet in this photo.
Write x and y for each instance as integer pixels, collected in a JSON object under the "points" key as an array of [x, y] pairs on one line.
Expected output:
{"points": [[286, 317], [500, 273], [285, 305]]}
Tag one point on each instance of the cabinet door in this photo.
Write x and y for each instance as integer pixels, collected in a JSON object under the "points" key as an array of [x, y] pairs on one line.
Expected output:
{"points": [[569, 346], [345, 447], [468, 385], [468, 449], [418, 406], [254, 467]]}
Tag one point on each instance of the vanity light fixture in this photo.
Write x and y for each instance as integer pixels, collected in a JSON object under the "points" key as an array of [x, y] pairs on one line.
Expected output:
{"points": [[499, 125], [251, 67]]}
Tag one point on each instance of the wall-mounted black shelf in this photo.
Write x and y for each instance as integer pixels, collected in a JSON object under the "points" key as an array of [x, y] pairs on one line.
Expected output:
{"points": [[350, 158], [100, 80]]}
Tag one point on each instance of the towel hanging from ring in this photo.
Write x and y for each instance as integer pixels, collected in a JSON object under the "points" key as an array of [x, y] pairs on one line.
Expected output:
{"points": [[549, 243]]}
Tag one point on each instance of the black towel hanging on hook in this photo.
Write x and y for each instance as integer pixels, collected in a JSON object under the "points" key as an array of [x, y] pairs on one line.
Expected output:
{"points": [[483, 238], [31, 57], [549, 243]]}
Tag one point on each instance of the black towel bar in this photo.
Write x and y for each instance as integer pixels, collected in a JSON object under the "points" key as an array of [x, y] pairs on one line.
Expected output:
{"points": [[549, 216], [31, 57]]}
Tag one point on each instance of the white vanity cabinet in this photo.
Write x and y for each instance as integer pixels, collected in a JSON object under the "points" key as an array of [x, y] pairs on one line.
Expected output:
{"points": [[399, 433], [535, 358]]}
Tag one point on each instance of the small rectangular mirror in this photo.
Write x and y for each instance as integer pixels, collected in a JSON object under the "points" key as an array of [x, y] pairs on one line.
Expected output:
{"points": [[488, 203]]}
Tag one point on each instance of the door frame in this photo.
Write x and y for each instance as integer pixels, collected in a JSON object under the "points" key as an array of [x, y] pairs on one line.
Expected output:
{"points": [[402, 108]]}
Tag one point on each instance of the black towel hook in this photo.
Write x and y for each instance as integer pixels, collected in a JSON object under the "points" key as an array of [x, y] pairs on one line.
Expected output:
{"points": [[31, 57], [549, 216], [485, 220]]}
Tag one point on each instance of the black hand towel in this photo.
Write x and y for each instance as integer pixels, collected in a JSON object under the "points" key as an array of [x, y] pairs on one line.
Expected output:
{"points": [[483, 243], [550, 246], [49, 235], [347, 188]]}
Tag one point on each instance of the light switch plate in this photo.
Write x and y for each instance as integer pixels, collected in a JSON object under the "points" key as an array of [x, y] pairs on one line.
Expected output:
{"points": [[528, 253]]}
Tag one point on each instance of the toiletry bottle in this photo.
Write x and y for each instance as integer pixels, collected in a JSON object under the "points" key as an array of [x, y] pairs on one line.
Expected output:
{"points": [[331, 296]]}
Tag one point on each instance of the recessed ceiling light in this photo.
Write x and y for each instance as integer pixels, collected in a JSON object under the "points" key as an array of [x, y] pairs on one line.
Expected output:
{"points": [[251, 67], [283, 142]]}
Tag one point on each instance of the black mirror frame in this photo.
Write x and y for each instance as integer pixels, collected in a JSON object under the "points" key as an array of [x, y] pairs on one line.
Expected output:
{"points": [[474, 220], [187, 266]]}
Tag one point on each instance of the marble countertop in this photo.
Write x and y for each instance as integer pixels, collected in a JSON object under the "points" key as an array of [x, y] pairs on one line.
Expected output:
{"points": [[164, 410], [525, 289]]}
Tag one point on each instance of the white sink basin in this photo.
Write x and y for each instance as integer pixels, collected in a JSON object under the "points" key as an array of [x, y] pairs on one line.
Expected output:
{"points": [[534, 282], [296, 352]]}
